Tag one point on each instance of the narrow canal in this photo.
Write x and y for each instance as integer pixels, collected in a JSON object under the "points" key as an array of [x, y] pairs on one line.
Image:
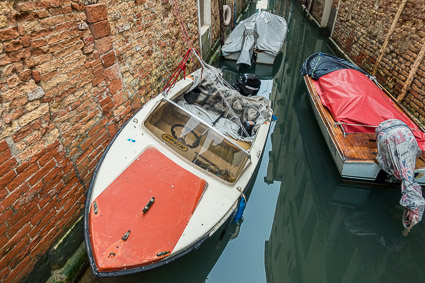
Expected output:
{"points": [[302, 223]]}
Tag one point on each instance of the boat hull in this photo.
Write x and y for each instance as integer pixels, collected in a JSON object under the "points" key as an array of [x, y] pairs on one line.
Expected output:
{"points": [[211, 205]]}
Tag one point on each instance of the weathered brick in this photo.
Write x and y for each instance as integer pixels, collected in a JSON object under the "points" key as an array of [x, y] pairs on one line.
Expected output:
{"points": [[115, 86], [40, 14], [13, 81], [6, 179], [48, 4], [7, 166], [13, 45], [14, 239], [5, 153], [24, 175], [25, 75], [42, 172], [21, 216], [97, 80], [25, 131], [96, 13], [60, 11], [34, 114], [100, 29], [23, 249], [53, 177], [22, 269], [113, 72], [4, 60], [36, 75], [108, 59], [18, 55], [24, 7], [8, 34], [38, 42], [103, 44], [77, 6], [8, 255]]}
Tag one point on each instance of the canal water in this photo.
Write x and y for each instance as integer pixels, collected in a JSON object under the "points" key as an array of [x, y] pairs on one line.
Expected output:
{"points": [[302, 222]]}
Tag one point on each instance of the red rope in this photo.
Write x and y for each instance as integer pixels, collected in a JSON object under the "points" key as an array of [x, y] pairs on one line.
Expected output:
{"points": [[179, 18], [182, 67]]}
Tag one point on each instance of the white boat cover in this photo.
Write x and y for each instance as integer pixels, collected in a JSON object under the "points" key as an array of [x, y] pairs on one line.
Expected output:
{"points": [[219, 105], [263, 30], [397, 153]]}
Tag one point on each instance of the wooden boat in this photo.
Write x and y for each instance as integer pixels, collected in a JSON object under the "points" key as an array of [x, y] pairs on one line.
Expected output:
{"points": [[168, 181], [354, 149]]}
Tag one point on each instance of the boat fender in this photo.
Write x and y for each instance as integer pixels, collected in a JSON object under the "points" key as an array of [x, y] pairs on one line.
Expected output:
{"points": [[239, 212], [227, 15]]}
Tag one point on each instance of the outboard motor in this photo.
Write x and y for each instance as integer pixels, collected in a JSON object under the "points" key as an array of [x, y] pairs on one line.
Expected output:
{"points": [[247, 84], [397, 153]]}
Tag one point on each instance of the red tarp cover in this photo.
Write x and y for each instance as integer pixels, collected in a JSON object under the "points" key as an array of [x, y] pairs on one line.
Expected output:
{"points": [[353, 98]]}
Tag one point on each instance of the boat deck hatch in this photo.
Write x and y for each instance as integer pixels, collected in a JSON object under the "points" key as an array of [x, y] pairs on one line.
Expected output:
{"points": [[123, 233]]}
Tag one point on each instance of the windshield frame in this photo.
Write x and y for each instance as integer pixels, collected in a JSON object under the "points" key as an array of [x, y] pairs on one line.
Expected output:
{"points": [[212, 128], [221, 135]]}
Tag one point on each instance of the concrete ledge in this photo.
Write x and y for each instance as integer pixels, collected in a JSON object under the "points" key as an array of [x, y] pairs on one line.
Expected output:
{"points": [[66, 246], [73, 268], [58, 257]]}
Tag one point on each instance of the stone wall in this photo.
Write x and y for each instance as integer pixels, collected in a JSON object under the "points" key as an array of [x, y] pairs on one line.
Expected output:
{"points": [[71, 73], [361, 29]]}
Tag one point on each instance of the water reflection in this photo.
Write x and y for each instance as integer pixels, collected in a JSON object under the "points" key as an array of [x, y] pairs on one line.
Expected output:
{"points": [[325, 230]]}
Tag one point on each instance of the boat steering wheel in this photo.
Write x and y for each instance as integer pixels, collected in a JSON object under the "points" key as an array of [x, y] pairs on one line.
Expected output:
{"points": [[182, 140]]}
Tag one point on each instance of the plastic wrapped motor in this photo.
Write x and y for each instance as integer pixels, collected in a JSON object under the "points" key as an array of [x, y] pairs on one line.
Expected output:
{"points": [[247, 84]]}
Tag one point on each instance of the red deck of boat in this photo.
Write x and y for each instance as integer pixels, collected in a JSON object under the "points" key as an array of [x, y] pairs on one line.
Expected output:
{"points": [[120, 209]]}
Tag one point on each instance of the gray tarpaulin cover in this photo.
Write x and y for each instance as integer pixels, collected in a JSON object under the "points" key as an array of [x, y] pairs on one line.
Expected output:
{"points": [[211, 104], [397, 153], [263, 30]]}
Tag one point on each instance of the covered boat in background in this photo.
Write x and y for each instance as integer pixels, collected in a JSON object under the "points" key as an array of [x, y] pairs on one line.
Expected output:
{"points": [[261, 36], [349, 105], [174, 174]]}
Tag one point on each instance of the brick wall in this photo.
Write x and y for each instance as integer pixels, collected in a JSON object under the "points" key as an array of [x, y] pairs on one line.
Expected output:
{"points": [[70, 75], [317, 9], [361, 29]]}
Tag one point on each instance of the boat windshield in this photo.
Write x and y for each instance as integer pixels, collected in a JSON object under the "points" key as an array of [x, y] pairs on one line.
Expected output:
{"points": [[196, 142]]}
